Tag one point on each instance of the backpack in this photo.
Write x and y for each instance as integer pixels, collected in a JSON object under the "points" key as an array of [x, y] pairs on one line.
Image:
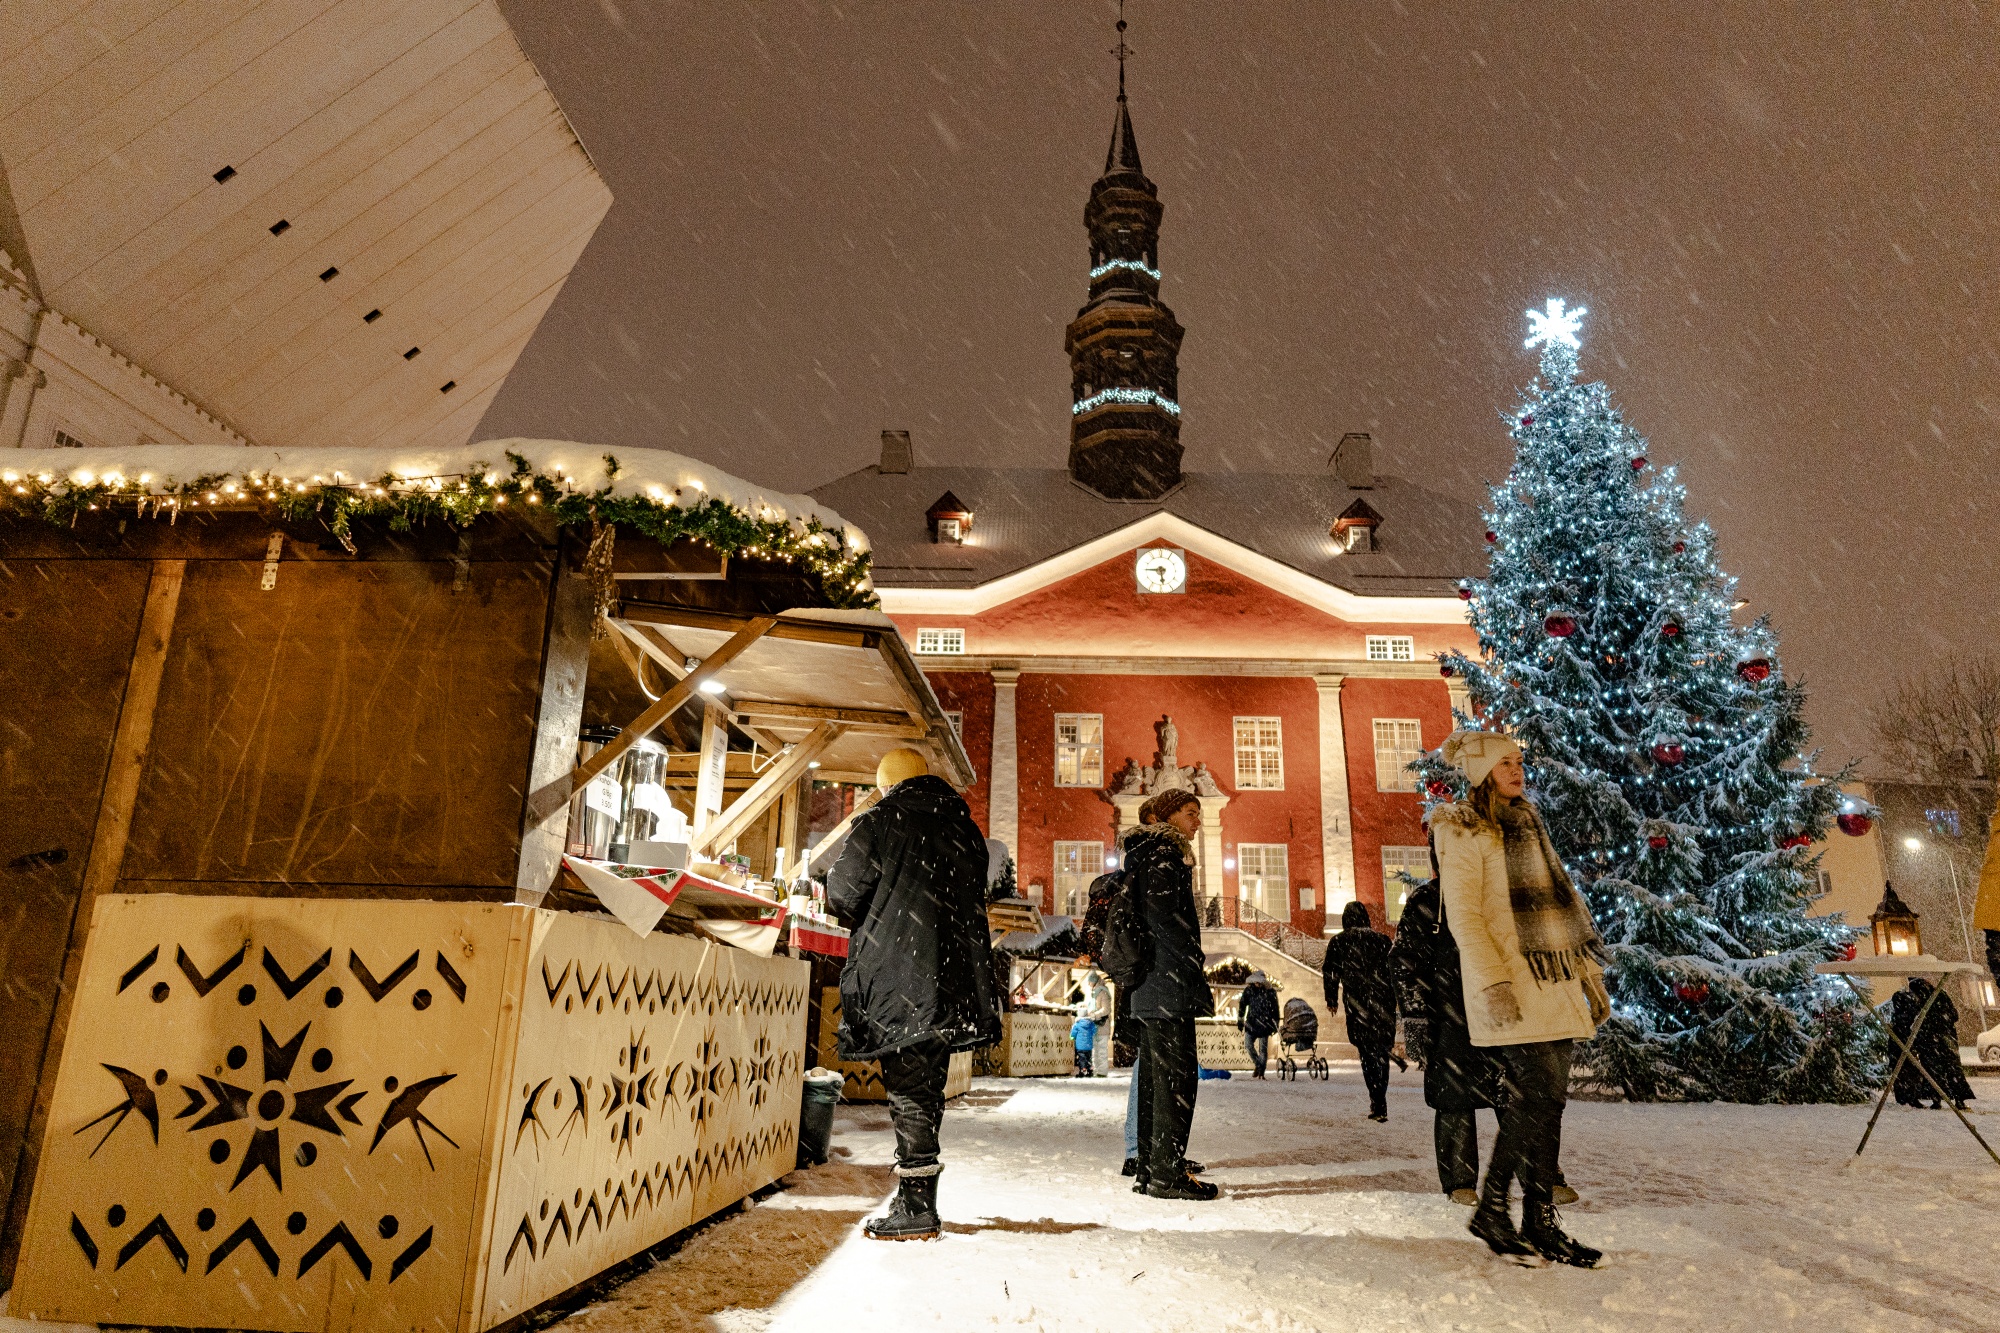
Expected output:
{"points": [[1128, 942]]}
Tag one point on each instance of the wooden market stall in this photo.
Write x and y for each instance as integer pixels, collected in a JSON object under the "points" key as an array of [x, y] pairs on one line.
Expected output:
{"points": [[298, 1035]]}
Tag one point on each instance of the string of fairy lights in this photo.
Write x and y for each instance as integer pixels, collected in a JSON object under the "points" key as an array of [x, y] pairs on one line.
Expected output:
{"points": [[338, 499]]}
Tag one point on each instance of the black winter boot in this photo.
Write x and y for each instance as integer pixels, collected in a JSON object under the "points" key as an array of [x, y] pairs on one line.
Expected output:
{"points": [[1492, 1223], [913, 1213], [1541, 1228]]}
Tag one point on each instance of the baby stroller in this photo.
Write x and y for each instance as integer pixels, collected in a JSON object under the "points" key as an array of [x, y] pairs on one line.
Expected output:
{"points": [[1298, 1035]]}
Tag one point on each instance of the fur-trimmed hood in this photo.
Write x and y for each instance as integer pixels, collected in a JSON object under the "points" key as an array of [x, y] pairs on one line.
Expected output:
{"points": [[1132, 839], [1459, 814]]}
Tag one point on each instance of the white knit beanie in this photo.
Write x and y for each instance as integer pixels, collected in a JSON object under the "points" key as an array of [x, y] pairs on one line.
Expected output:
{"points": [[1474, 753]]}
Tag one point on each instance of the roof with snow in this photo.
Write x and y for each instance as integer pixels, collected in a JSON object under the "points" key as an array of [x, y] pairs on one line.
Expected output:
{"points": [[1425, 542]]}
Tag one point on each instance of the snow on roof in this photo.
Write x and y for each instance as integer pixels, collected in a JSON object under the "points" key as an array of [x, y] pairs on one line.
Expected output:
{"points": [[658, 474]]}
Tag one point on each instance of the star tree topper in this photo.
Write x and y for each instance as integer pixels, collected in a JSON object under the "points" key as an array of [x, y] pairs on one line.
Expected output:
{"points": [[1556, 327]]}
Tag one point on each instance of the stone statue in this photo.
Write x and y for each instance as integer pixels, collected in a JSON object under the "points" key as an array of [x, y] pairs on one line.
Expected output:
{"points": [[1204, 781], [1129, 780], [1170, 743]]}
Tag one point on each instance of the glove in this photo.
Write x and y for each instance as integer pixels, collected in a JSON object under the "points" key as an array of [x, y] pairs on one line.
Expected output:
{"points": [[1502, 1009], [1417, 1039], [1600, 999]]}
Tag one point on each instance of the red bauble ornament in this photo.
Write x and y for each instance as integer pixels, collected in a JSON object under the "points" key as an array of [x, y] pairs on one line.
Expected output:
{"points": [[1692, 992], [1658, 842], [1680, 548], [1797, 840], [1528, 420], [1492, 536], [1855, 825], [1847, 952], [1757, 670], [1438, 788], [1671, 630], [1639, 463], [1669, 752], [1560, 627], [1465, 594], [1445, 669]]}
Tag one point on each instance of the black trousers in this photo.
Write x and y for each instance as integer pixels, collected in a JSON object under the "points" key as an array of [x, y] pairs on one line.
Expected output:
{"points": [[914, 1079], [1375, 1073], [1455, 1135], [1530, 1140], [1168, 1077]]}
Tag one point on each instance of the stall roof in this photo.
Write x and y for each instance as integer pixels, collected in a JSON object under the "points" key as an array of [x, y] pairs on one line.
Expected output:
{"points": [[813, 666]]}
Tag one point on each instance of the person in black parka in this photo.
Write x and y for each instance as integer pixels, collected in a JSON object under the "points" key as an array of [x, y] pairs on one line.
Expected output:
{"points": [[1159, 864], [1458, 1076], [1358, 958], [919, 981], [1935, 1045], [1257, 1019]]}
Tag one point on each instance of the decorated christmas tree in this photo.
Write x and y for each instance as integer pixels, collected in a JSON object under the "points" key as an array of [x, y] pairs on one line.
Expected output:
{"points": [[1667, 752]]}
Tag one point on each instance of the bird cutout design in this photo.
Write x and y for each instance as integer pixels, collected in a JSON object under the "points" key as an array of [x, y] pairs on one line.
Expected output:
{"points": [[251, 1234], [204, 984], [138, 969], [407, 1106], [377, 990], [290, 986], [155, 1229], [531, 1118], [578, 1119], [138, 1097], [339, 1235]]}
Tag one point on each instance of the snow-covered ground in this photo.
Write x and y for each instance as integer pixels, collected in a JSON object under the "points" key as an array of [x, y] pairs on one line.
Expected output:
{"points": [[1713, 1217]]}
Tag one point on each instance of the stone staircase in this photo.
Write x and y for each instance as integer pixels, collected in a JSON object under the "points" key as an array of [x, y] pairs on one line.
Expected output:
{"points": [[1290, 974]]}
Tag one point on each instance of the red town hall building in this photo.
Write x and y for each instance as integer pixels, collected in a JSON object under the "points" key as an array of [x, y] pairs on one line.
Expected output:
{"points": [[1285, 623]]}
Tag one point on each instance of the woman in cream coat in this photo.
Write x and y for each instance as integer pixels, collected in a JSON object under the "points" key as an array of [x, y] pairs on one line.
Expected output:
{"points": [[1533, 983]]}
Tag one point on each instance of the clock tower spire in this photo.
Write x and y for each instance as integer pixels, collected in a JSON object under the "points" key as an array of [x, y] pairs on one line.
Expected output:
{"points": [[1124, 344]]}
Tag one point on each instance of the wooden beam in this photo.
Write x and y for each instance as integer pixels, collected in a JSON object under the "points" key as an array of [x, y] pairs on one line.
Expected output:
{"points": [[553, 797], [653, 613], [558, 718], [660, 649], [824, 713], [784, 770]]}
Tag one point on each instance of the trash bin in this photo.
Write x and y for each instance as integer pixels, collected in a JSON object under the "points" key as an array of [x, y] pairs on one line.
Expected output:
{"points": [[818, 1095]]}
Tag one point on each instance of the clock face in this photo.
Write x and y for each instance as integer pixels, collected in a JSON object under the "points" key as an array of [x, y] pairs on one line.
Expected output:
{"points": [[1162, 569]]}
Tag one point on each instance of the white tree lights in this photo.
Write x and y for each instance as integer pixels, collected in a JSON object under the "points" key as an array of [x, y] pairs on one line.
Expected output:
{"points": [[1555, 326]]}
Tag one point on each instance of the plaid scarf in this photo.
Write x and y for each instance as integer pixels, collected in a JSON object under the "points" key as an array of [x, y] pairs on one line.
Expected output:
{"points": [[1549, 916]]}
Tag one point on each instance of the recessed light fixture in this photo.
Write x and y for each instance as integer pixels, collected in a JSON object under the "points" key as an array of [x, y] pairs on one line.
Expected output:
{"points": [[224, 176], [711, 686], [280, 227]]}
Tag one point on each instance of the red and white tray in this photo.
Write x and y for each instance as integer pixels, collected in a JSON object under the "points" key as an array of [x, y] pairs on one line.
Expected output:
{"points": [[640, 895]]}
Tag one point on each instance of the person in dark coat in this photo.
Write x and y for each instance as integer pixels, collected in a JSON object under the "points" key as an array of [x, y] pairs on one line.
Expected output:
{"points": [[1459, 1077], [1935, 1045], [1358, 959], [1159, 859], [919, 981], [1257, 1019]]}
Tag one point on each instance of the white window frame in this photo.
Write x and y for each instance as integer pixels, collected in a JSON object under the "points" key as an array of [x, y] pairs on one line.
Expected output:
{"points": [[1416, 861], [1083, 748], [1266, 770], [1076, 865], [938, 641], [1392, 761], [1262, 870], [1392, 648]]}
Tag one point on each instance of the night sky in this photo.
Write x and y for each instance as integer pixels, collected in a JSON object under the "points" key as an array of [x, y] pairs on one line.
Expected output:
{"points": [[832, 219]]}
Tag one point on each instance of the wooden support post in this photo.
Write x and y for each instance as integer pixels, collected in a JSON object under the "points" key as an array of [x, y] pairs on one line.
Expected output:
{"points": [[553, 797], [131, 743], [558, 718], [784, 770]]}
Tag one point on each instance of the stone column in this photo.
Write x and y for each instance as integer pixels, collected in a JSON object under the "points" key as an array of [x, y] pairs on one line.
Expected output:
{"points": [[1004, 799], [1128, 810], [1461, 698], [1208, 852], [1336, 829]]}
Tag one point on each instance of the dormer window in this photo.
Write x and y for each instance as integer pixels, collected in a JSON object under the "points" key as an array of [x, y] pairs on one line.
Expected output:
{"points": [[1355, 529], [949, 520]]}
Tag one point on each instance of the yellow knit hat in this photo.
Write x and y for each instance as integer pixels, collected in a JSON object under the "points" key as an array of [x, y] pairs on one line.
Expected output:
{"points": [[900, 764]]}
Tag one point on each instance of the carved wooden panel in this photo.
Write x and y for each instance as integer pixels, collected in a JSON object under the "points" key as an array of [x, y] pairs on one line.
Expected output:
{"points": [[292, 1115], [1218, 1044], [1031, 1045], [657, 1080], [864, 1077]]}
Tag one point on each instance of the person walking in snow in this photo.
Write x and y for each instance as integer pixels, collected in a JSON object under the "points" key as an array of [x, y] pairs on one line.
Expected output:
{"points": [[1096, 1006], [1935, 1047], [1159, 859], [919, 981], [1257, 1019], [1358, 960], [1533, 982]]}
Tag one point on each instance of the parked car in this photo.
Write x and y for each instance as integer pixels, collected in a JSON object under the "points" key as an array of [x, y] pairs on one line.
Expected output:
{"points": [[1988, 1045]]}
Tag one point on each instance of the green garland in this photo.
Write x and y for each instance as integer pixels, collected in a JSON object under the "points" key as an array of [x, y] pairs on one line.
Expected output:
{"points": [[459, 500]]}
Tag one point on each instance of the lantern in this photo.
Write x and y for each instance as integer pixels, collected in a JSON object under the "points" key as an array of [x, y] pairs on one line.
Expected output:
{"points": [[1896, 929]]}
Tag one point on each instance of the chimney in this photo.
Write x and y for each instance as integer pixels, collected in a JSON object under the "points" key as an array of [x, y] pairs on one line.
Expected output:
{"points": [[897, 454], [1353, 461]]}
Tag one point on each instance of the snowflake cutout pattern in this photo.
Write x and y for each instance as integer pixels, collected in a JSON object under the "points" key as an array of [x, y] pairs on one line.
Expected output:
{"points": [[1555, 326]]}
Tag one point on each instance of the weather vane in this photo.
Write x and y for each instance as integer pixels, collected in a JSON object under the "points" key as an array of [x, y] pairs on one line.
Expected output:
{"points": [[1121, 50], [1555, 326]]}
